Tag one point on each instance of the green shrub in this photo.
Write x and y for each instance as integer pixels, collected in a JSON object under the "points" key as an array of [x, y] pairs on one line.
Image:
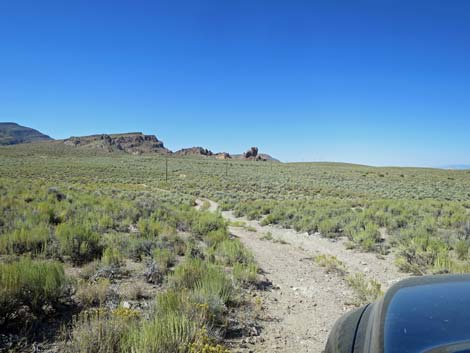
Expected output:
{"points": [[246, 274], [204, 278], [206, 222], [367, 238], [215, 237], [169, 333], [149, 228], [78, 242], [112, 257], [461, 248], [329, 228], [231, 252], [31, 283], [164, 258], [25, 239]]}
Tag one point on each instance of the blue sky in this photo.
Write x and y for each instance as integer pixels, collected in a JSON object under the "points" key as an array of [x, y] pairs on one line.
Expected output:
{"points": [[378, 82]]}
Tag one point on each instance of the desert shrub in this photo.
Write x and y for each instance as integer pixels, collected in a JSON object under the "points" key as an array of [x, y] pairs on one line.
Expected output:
{"points": [[446, 264], [177, 244], [91, 294], [101, 331], [78, 242], [87, 271], [461, 248], [206, 222], [174, 326], [204, 344], [112, 257], [150, 228], [188, 273], [367, 290], [139, 248], [331, 264], [172, 332], [231, 252], [215, 290], [164, 258], [245, 274], [216, 237], [105, 222], [25, 239], [206, 280], [418, 249], [31, 283], [329, 227], [368, 237]]}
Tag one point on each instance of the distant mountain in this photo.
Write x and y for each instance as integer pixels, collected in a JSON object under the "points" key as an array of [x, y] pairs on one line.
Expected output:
{"points": [[132, 142], [457, 166], [12, 134]]}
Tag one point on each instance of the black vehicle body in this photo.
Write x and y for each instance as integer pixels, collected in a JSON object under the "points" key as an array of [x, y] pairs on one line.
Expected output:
{"points": [[429, 314]]}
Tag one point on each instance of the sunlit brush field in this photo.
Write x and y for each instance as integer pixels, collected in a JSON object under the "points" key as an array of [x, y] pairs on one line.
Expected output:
{"points": [[82, 231], [98, 255]]}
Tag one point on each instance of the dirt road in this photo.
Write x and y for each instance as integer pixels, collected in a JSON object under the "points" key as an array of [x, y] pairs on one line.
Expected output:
{"points": [[304, 302]]}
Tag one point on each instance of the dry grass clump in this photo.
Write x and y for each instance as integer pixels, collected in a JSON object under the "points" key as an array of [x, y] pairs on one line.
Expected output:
{"points": [[93, 294], [367, 290], [331, 264]]}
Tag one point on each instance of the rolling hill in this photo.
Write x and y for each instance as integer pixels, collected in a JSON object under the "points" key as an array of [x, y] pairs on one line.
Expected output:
{"points": [[12, 134]]}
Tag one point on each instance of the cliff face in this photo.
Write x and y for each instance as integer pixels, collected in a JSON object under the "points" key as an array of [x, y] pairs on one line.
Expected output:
{"points": [[135, 143], [12, 134]]}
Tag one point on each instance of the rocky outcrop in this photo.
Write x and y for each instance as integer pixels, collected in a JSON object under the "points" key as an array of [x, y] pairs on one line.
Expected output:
{"points": [[252, 153], [135, 143], [223, 156], [194, 151]]}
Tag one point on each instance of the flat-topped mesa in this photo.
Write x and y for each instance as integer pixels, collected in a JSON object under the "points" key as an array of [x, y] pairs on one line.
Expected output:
{"points": [[134, 142]]}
